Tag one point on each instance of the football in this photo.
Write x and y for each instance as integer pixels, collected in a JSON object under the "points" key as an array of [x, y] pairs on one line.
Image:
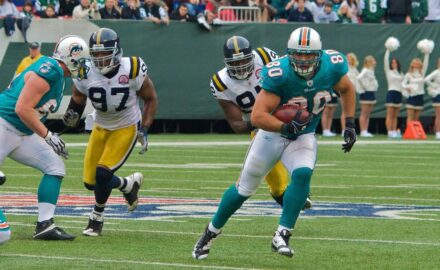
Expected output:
{"points": [[288, 112]]}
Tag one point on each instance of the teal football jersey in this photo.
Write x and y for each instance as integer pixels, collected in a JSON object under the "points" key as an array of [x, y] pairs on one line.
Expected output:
{"points": [[49, 70], [279, 78]]}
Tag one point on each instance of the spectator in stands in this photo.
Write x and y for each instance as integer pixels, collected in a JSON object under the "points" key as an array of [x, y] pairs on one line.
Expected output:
{"points": [[267, 11], [85, 10], [41, 5], [131, 10], [280, 7], [328, 15], [316, 8], [26, 15], [433, 81], [300, 14], [367, 98], [413, 87], [195, 7], [433, 11], [181, 14], [8, 12], [239, 3], [110, 10], [336, 5], [225, 14], [344, 14], [399, 11], [99, 3], [419, 10], [373, 11], [354, 8], [67, 6], [49, 13], [394, 78], [154, 13], [34, 55]]}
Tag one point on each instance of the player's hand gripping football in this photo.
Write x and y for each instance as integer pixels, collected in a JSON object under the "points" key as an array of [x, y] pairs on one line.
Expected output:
{"points": [[57, 144], [296, 125], [70, 118], [142, 138], [349, 134]]}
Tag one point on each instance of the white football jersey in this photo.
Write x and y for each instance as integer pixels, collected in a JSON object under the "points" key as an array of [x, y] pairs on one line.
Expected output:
{"points": [[242, 92], [115, 99]]}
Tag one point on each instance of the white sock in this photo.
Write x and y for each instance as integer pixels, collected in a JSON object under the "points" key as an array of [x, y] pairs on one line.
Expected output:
{"points": [[364, 132], [281, 227], [213, 229], [45, 211]]}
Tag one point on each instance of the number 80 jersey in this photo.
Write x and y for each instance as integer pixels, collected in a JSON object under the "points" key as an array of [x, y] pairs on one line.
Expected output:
{"points": [[115, 99]]}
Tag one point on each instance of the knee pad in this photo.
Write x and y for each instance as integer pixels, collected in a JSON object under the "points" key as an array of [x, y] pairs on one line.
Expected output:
{"points": [[255, 167], [103, 176], [89, 187]]}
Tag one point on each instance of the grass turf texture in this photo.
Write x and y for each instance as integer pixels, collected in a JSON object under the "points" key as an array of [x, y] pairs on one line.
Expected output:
{"points": [[392, 174]]}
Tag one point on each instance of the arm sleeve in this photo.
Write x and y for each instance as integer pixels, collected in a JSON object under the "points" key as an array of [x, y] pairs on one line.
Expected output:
{"points": [[140, 78], [216, 93]]}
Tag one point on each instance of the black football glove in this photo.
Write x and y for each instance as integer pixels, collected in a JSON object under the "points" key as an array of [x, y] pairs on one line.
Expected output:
{"points": [[294, 127], [349, 134]]}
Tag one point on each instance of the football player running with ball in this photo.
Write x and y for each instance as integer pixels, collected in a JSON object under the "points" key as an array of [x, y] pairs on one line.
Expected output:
{"points": [[305, 76], [236, 87], [24, 106], [113, 84]]}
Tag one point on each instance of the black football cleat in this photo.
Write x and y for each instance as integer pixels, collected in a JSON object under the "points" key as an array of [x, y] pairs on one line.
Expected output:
{"points": [[280, 243], [131, 191], [47, 230], [94, 227], [203, 245]]}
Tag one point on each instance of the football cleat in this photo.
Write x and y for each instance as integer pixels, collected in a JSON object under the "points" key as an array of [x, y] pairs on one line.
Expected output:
{"points": [[2, 178], [280, 243], [203, 245], [94, 228], [47, 230], [308, 203], [131, 190]]}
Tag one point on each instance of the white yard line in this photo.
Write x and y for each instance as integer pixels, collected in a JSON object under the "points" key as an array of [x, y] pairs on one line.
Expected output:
{"points": [[149, 263], [233, 143], [332, 239]]}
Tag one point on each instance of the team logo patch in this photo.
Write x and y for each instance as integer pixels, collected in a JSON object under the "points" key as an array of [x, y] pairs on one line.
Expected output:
{"points": [[45, 68], [258, 73], [75, 49], [310, 83], [123, 79], [151, 208]]}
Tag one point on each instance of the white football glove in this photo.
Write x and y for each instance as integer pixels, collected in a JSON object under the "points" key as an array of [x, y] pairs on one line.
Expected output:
{"points": [[142, 138], [57, 144], [70, 118]]}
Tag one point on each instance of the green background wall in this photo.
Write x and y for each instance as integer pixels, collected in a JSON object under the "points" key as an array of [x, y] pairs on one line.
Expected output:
{"points": [[182, 57]]}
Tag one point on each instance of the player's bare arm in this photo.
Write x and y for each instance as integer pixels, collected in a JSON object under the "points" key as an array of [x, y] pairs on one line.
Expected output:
{"points": [[75, 109], [34, 89], [148, 94], [348, 95], [261, 116], [233, 116]]}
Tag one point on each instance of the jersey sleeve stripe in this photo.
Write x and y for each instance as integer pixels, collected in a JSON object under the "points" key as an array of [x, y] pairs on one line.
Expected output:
{"points": [[218, 83], [263, 55], [134, 67]]}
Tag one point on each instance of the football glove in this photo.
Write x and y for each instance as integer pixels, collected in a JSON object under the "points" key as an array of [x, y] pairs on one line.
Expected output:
{"points": [[349, 134], [142, 138], [294, 127], [70, 118], [57, 144]]}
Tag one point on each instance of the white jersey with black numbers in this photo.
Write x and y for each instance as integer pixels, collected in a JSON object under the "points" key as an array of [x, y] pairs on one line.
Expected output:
{"points": [[115, 99], [242, 92]]}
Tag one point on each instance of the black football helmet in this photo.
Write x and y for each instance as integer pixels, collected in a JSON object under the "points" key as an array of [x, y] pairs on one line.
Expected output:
{"points": [[239, 58], [105, 50]]}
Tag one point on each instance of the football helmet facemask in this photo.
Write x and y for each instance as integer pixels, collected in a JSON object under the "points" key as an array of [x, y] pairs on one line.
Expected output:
{"points": [[105, 50], [304, 51], [74, 53], [239, 58]]}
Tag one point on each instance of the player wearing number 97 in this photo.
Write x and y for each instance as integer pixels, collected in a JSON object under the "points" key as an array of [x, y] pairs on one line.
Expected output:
{"points": [[236, 86], [113, 85], [306, 76], [24, 107]]}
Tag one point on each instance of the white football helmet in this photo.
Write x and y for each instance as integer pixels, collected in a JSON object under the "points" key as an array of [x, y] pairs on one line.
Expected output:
{"points": [[74, 52], [304, 50]]}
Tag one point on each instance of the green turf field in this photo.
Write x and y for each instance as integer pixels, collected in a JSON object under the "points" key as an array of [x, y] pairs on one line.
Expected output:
{"points": [[377, 207]]}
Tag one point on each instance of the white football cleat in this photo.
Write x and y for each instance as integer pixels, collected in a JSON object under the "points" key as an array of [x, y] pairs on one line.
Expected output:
{"points": [[131, 190], [280, 243]]}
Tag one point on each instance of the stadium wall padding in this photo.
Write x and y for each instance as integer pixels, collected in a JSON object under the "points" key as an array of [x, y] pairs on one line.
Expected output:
{"points": [[182, 57]]}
